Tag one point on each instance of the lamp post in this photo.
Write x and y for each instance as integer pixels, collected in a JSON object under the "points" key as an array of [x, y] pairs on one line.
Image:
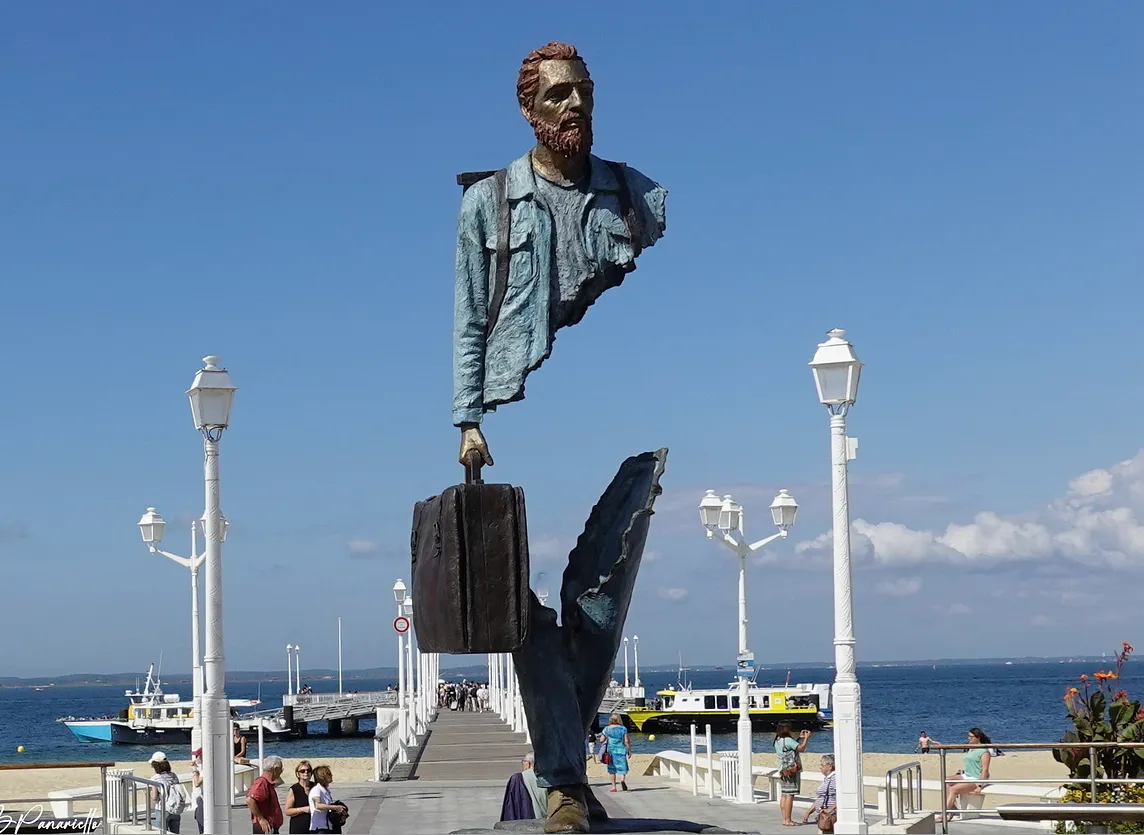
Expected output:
{"points": [[636, 657], [297, 669], [339, 656], [411, 682], [836, 371], [399, 594], [212, 396], [726, 517], [625, 664], [289, 671], [151, 527]]}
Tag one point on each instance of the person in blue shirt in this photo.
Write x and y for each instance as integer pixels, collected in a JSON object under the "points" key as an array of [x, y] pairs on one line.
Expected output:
{"points": [[619, 746]]}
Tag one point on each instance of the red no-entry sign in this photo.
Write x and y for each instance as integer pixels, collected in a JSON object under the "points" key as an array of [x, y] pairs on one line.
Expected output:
{"points": [[400, 625]]}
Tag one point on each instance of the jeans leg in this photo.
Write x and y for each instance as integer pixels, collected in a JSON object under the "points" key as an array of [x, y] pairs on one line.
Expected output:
{"points": [[548, 691], [564, 670]]}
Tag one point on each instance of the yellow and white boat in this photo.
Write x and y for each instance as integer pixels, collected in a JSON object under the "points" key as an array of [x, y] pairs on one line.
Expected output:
{"points": [[675, 710]]}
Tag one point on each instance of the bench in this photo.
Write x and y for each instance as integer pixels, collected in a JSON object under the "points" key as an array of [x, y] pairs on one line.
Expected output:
{"points": [[63, 801]]}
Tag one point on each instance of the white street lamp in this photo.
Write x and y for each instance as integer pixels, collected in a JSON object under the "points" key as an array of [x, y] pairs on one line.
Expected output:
{"points": [[289, 671], [297, 669], [151, 526], [339, 656], [410, 703], [726, 516], [625, 664], [212, 396], [636, 656], [836, 371], [399, 594]]}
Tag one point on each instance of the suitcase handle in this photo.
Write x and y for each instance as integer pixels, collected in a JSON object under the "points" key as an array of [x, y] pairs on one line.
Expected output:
{"points": [[473, 464]]}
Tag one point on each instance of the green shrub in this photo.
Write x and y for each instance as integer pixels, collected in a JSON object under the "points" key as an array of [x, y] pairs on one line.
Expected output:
{"points": [[1100, 715]]}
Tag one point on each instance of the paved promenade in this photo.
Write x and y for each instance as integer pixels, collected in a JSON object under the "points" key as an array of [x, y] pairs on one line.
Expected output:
{"points": [[457, 782]]}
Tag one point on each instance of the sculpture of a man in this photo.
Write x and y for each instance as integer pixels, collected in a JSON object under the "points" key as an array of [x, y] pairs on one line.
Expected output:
{"points": [[537, 244], [575, 225]]}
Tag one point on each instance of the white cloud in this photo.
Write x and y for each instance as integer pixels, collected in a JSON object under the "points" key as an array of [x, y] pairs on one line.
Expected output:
{"points": [[675, 595], [1095, 523], [1041, 621], [956, 609], [362, 547], [547, 548], [901, 587], [650, 555]]}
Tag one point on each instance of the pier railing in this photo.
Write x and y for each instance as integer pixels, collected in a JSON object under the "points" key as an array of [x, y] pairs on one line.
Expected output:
{"points": [[1054, 811], [900, 786], [26, 811]]}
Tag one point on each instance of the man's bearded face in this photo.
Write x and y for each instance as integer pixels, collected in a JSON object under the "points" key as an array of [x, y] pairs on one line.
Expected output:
{"points": [[561, 115]]}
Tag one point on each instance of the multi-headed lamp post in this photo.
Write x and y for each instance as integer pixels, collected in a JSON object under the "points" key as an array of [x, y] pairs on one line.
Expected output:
{"points": [[151, 527], [289, 670], [212, 396], [726, 516], [836, 371]]}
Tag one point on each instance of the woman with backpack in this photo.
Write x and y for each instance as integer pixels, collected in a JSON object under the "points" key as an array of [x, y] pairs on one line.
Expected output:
{"points": [[169, 805], [790, 767]]}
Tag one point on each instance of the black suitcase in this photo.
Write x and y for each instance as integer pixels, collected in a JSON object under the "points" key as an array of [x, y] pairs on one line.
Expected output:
{"points": [[470, 568]]}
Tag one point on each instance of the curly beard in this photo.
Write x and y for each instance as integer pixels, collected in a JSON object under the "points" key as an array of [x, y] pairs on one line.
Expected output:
{"points": [[567, 140]]}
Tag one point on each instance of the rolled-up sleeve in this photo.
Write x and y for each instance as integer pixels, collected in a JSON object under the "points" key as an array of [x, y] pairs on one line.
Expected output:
{"points": [[470, 309]]}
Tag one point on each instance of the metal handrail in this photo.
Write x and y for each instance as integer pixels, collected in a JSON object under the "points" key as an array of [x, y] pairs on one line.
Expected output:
{"points": [[162, 786], [1060, 810], [898, 771], [38, 801], [1072, 811]]}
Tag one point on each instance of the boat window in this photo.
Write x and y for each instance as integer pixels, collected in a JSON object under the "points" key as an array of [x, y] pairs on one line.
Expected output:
{"points": [[709, 702], [667, 701], [722, 702], [734, 703]]}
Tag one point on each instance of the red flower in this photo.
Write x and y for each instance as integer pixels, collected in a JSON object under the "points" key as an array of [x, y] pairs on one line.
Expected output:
{"points": [[1140, 714], [1121, 694], [1127, 647], [1083, 677]]}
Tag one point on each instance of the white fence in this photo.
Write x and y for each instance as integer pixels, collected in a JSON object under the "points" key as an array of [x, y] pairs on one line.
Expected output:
{"points": [[388, 746]]}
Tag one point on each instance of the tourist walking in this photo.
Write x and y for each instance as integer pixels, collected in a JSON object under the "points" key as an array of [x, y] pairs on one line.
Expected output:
{"points": [[169, 805], [974, 770], [789, 757], [262, 799], [298, 799], [617, 751], [826, 800], [325, 815], [197, 786]]}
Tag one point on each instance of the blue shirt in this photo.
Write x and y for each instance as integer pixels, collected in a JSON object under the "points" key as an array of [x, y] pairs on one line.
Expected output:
{"points": [[490, 371]]}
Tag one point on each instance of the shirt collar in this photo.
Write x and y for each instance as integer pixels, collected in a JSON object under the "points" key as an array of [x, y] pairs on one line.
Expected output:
{"points": [[522, 179]]}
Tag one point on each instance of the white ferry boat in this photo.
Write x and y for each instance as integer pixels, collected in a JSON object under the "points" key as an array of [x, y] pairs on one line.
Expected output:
{"points": [[675, 710], [151, 717]]}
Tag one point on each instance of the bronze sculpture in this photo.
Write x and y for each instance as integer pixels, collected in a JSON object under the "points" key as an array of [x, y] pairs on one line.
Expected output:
{"points": [[537, 243]]}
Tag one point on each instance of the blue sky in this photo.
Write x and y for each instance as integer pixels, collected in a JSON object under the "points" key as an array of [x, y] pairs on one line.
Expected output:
{"points": [[957, 185]]}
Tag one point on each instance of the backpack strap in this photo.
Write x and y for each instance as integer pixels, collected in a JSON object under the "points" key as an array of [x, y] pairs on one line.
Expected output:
{"points": [[627, 210], [504, 222]]}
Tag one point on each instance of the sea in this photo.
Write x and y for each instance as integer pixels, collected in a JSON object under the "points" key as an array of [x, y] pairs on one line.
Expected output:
{"points": [[1020, 702]]}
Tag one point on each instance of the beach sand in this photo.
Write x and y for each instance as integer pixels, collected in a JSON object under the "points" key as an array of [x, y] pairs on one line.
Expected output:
{"points": [[17, 784]]}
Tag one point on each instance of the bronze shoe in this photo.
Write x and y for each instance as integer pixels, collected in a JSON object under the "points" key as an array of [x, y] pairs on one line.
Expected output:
{"points": [[596, 811], [567, 809]]}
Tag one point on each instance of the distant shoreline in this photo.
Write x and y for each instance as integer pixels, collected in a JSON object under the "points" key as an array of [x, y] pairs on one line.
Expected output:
{"points": [[257, 676]]}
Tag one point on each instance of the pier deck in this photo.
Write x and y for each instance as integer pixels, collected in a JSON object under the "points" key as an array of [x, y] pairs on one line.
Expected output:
{"points": [[469, 746]]}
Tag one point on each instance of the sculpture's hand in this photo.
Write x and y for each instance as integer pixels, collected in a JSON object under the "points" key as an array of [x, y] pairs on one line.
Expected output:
{"points": [[472, 440]]}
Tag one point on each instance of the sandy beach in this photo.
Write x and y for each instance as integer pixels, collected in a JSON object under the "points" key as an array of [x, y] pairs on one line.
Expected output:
{"points": [[19, 784]]}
